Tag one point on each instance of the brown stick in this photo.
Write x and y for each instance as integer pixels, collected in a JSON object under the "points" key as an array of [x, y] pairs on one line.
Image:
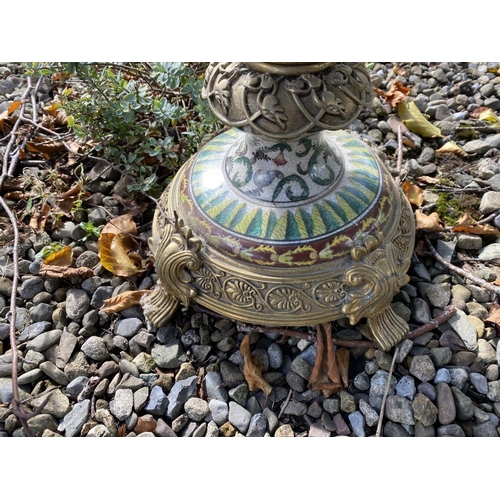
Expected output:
{"points": [[431, 325], [400, 154], [412, 334], [461, 272], [386, 392]]}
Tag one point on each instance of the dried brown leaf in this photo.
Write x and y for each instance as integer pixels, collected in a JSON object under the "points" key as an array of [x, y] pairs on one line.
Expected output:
{"points": [[413, 193], [252, 370], [430, 222], [124, 226], [468, 225], [123, 301], [46, 147], [61, 258], [343, 357], [114, 257], [325, 375], [396, 93], [428, 180], [494, 317], [81, 273]]}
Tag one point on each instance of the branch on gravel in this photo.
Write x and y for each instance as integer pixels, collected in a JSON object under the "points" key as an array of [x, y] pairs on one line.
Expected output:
{"points": [[478, 281], [386, 392], [9, 164], [400, 154]]}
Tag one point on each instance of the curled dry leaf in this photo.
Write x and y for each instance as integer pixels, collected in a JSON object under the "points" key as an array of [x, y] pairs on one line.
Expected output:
{"points": [[252, 369], [416, 121], [397, 93], [123, 301], [488, 115], [326, 375], [468, 225], [61, 258], [81, 273], [451, 147], [114, 256], [6, 119], [426, 179], [413, 193], [430, 222], [494, 317], [115, 243]]}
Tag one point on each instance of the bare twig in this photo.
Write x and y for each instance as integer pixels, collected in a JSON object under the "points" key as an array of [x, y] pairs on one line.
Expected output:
{"points": [[431, 325], [400, 154], [459, 271], [386, 392], [285, 404], [489, 218]]}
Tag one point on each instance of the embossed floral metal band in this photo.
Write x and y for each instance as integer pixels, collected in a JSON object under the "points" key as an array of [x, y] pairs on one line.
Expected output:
{"points": [[285, 220]]}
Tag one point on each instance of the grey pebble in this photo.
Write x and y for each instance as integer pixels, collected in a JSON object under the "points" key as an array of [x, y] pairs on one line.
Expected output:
{"points": [[239, 417], [181, 391], [169, 356], [406, 387], [257, 426], [445, 404], [422, 368], [122, 405], [128, 327], [275, 356], [219, 411], [399, 409], [480, 382], [214, 387], [77, 303], [95, 348], [73, 422], [157, 402], [196, 409], [357, 421], [43, 341]]}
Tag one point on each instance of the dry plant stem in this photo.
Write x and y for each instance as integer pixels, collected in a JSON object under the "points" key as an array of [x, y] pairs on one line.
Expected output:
{"points": [[400, 154], [9, 165], [489, 218], [461, 272], [285, 404], [433, 324], [386, 392]]}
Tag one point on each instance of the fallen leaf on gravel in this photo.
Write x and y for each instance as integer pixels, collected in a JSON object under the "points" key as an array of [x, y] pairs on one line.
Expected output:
{"points": [[428, 180], [325, 375], [66, 201], [123, 301], [430, 222], [416, 121], [124, 226], [114, 256], [396, 93], [468, 225], [61, 258], [115, 243], [66, 272], [413, 193], [252, 370], [494, 317], [4, 117], [489, 116], [477, 112], [451, 147], [343, 357]]}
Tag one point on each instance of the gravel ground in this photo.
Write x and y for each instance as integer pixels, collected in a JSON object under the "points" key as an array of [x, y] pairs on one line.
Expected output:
{"points": [[116, 375]]}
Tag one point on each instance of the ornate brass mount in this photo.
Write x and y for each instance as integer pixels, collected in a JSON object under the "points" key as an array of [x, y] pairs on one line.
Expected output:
{"points": [[279, 222]]}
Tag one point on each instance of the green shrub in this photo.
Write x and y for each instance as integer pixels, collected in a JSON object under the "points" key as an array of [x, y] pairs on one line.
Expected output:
{"points": [[147, 119]]}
